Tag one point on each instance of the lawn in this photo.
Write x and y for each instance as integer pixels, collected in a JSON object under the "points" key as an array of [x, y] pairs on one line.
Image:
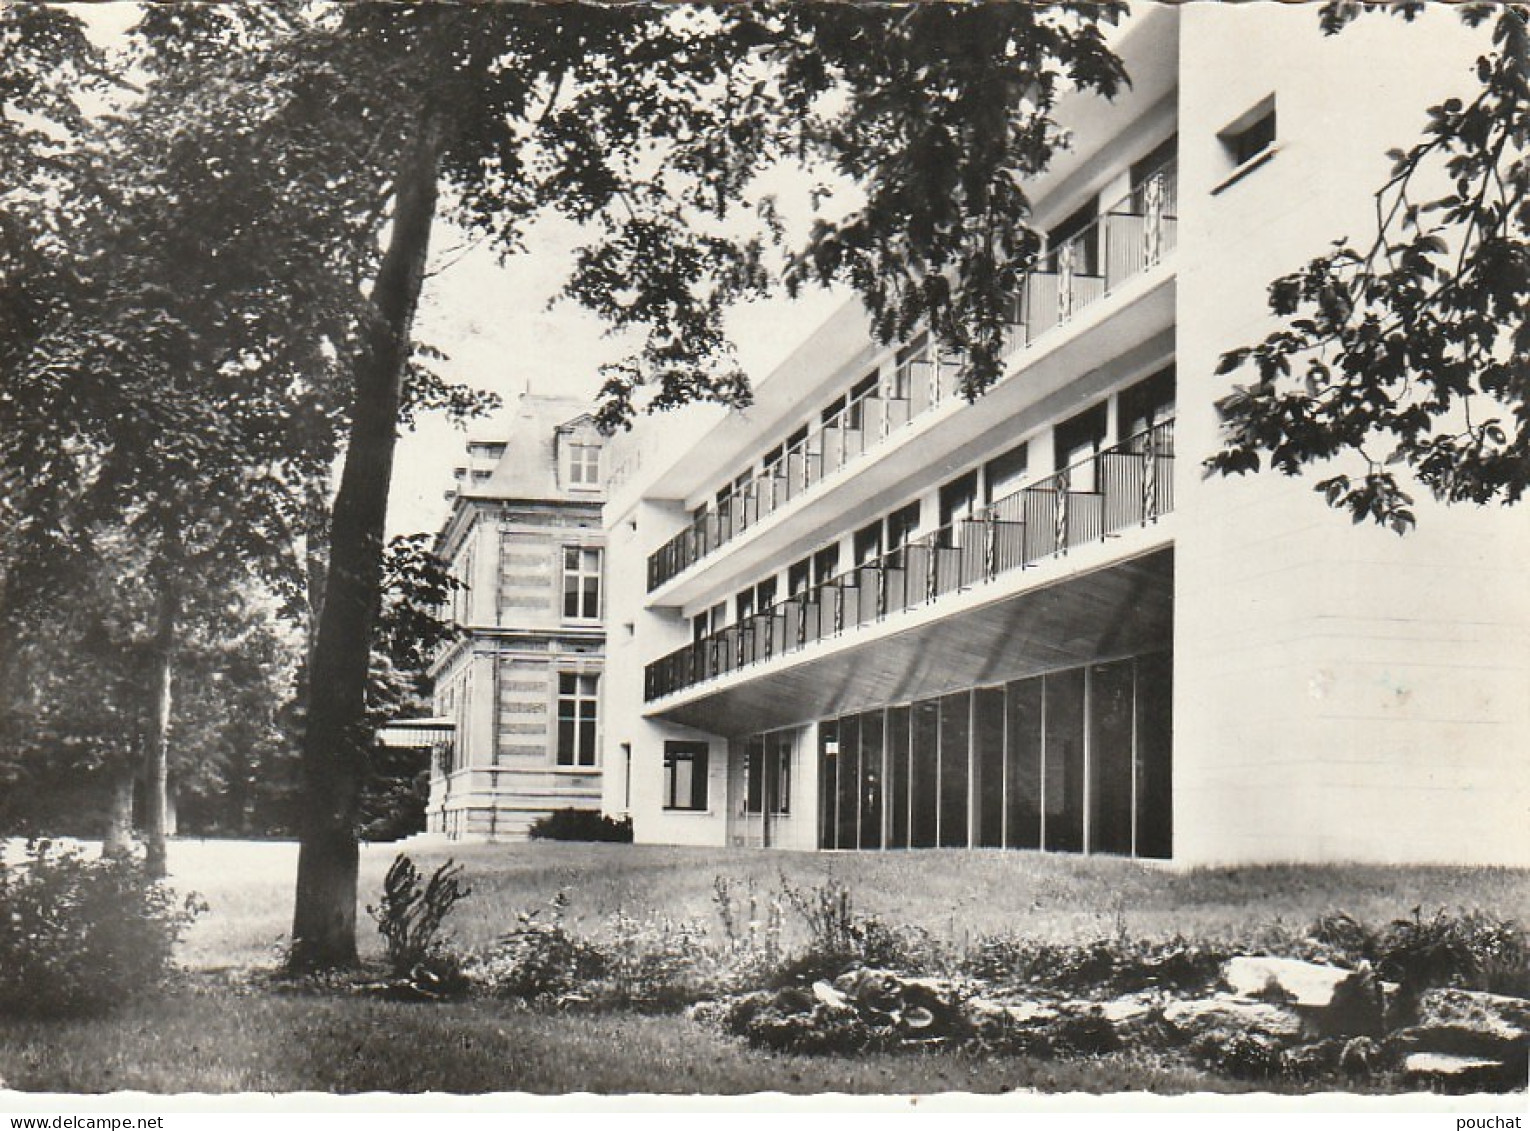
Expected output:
{"points": [[227, 1029], [956, 895], [219, 1040]]}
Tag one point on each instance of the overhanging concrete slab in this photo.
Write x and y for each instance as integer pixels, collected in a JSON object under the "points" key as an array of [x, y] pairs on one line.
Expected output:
{"points": [[1120, 609]]}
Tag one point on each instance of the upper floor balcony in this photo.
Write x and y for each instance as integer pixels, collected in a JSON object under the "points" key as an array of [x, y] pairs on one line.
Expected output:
{"points": [[1130, 484], [1137, 233]]}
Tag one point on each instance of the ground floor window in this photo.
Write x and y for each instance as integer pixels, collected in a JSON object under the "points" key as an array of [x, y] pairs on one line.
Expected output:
{"points": [[577, 718], [685, 775], [1071, 761]]}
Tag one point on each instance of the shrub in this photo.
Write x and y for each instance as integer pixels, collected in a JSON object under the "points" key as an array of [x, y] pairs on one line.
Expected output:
{"points": [[538, 960], [78, 935], [1246, 1056], [1116, 965], [839, 937], [751, 929], [656, 964], [581, 824], [791, 1020], [1470, 950], [1344, 937], [410, 915], [409, 919]]}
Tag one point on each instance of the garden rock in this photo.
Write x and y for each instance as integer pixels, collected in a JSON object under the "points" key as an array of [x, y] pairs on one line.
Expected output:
{"points": [[1474, 1020], [1224, 1017], [1138, 1019], [1449, 1072], [1025, 1014], [1333, 1001], [1466, 1038], [861, 1009]]}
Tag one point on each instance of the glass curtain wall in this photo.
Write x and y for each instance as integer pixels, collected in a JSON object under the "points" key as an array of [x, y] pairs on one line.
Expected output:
{"points": [[1071, 761], [924, 774], [988, 786], [872, 775], [898, 721]]}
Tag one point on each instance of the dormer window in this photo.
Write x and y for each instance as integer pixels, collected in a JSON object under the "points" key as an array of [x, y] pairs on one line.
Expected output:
{"points": [[582, 465]]}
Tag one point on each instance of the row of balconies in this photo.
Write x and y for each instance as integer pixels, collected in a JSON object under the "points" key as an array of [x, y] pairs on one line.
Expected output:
{"points": [[1130, 484], [1123, 242]]}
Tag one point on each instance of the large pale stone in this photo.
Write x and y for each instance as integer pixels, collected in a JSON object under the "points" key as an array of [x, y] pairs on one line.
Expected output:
{"points": [[1021, 1013], [1285, 979], [1465, 1038], [1494, 1021], [1224, 1015], [1446, 1064], [1133, 1007], [1333, 1000], [1452, 1072], [828, 995]]}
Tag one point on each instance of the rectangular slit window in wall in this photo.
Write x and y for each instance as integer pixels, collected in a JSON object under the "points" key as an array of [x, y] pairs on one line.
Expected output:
{"points": [[1248, 141]]}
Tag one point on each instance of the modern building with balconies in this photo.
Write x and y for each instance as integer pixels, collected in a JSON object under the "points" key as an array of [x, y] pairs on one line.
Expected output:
{"points": [[865, 613]]}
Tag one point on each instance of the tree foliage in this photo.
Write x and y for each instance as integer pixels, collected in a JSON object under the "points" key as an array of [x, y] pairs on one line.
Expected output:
{"points": [[922, 124], [1411, 350], [243, 289]]}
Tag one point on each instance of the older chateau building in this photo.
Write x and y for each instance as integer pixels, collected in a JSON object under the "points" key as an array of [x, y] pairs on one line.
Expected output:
{"points": [[521, 685], [864, 613]]}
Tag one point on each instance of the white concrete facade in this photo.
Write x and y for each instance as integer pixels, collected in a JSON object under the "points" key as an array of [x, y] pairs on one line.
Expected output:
{"points": [[1393, 720], [1337, 692]]}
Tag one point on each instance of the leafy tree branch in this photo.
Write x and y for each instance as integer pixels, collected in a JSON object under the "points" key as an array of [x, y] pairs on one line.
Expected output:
{"points": [[1411, 352]]}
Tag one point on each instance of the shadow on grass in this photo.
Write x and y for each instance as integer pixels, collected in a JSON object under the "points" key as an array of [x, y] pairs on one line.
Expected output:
{"points": [[221, 1039]]}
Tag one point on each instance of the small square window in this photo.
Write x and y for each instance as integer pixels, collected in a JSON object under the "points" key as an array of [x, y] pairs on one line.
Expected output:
{"points": [[1248, 143], [1249, 140]]}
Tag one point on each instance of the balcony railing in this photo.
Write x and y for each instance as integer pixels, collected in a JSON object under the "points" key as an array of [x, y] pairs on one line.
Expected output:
{"points": [[1123, 242], [1131, 484]]}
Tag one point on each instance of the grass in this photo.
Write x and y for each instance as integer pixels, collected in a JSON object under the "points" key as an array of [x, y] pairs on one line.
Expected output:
{"points": [[955, 895], [229, 1032], [221, 1039]]}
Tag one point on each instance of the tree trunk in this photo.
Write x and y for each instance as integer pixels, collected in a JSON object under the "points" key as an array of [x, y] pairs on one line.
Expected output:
{"points": [[157, 751], [335, 738], [119, 822]]}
